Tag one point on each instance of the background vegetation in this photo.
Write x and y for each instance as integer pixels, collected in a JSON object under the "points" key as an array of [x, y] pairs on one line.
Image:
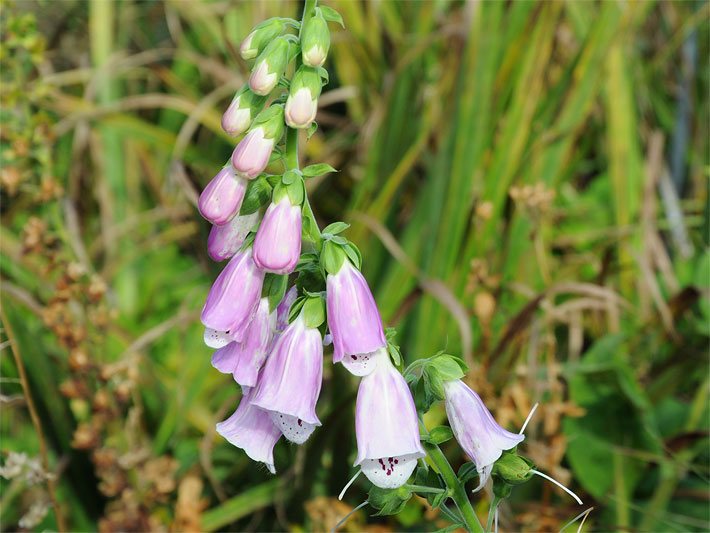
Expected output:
{"points": [[527, 183]]}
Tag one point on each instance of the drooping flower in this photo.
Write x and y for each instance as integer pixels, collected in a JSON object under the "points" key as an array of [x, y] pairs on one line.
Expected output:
{"points": [[475, 429], [386, 426], [251, 155], [224, 241], [290, 382], [222, 198], [244, 359], [354, 320], [277, 246], [315, 41], [252, 430], [234, 296]]}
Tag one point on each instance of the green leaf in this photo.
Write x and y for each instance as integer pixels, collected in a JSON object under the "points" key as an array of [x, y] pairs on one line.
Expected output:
{"points": [[395, 354], [317, 170], [257, 195], [311, 130], [314, 311], [246, 503], [335, 228], [440, 434], [290, 176], [331, 15], [388, 502]]}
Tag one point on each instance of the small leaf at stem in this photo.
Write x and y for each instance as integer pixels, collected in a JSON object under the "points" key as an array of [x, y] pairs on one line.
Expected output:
{"points": [[317, 169]]}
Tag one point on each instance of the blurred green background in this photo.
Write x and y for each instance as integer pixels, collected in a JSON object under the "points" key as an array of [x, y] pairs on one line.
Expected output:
{"points": [[527, 183]]}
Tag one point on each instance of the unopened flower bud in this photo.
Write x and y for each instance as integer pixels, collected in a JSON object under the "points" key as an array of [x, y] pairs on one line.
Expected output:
{"points": [[302, 102], [269, 67], [251, 155], [244, 107], [260, 37], [513, 469], [222, 197], [315, 41]]}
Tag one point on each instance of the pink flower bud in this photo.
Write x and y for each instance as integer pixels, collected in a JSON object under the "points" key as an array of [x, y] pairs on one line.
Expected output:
{"points": [[251, 155], [277, 246], [315, 56], [262, 81], [301, 109], [236, 120], [222, 197]]}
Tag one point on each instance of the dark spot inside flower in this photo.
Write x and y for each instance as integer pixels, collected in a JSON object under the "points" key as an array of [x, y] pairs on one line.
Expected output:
{"points": [[389, 472], [396, 461], [353, 357], [299, 423], [382, 464]]}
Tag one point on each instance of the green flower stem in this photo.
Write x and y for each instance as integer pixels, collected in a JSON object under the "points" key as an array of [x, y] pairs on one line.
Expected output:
{"points": [[291, 158], [456, 488], [492, 512]]}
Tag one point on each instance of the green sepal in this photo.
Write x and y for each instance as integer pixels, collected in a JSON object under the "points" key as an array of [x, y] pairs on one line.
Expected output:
{"points": [[512, 468], [290, 176], [314, 311], [307, 77], [296, 192], [440, 434], [335, 228], [257, 195], [311, 130], [332, 257], [315, 33], [324, 75], [296, 307], [392, 348], [265, 33], [353, 253], [317, 170], [274, 288], [331, 15], [448, 366], [276, 54], [271, 120], [388, 501], [248, 241], [309, 229]]}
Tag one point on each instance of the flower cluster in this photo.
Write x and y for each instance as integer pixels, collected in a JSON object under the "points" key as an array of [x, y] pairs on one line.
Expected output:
{"points": [[289, 289]]}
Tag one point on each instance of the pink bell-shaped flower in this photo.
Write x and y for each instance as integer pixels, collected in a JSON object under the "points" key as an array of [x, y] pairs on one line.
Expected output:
{"points": [[386, 426], [277, 246], [222, 198], [252, 430], [475, 429], [290, 382], [224, 241], [353, 319], [244, 359], [234, 296], [251, 155]]}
